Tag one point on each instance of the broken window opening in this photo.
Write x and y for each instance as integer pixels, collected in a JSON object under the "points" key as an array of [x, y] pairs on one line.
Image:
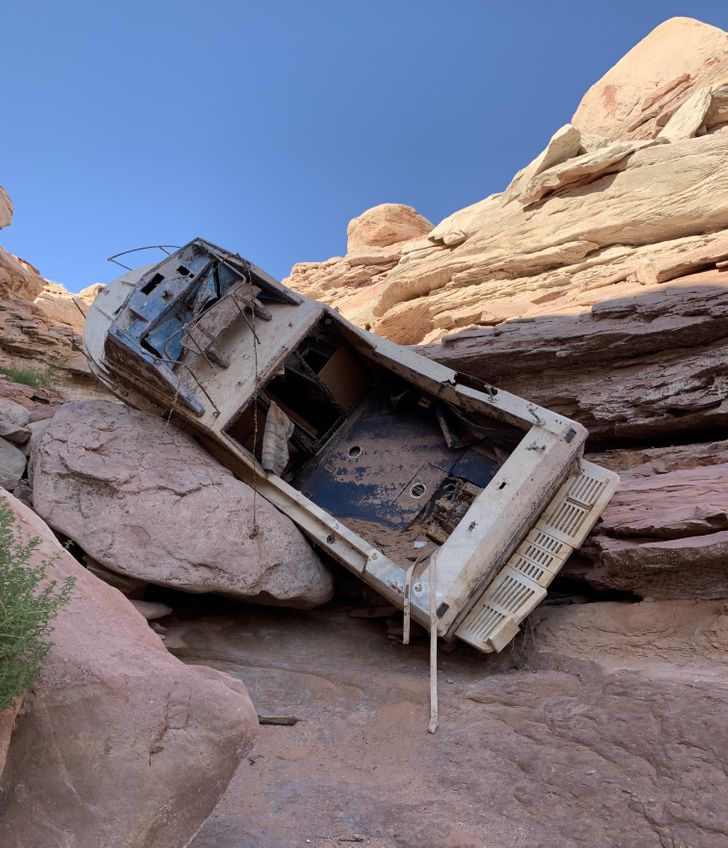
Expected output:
{"points": [[149, 287]]}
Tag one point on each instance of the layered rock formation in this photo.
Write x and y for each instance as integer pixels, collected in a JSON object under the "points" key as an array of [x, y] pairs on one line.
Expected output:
{"points": [[41, 357], [596, 284], [65, 308], [592, 218], [118, 745], [578, 233], [665, 532], [145, 500], [41, 322], [28, 334]]}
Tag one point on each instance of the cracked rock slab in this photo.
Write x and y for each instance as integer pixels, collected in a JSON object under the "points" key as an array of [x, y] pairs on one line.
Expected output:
{"points": [[584, 734]]}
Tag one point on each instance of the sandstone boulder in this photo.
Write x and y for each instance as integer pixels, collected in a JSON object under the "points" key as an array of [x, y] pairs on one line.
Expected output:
{"points": [[119, 745], [376, 240], [642, 91], [12, 464], [564, 144], [384, 225], [14, 420], [145, 500], [6, 208], [37, 431]]}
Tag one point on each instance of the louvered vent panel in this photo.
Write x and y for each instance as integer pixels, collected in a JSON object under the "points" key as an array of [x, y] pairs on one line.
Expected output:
{"points": [[540, 557], [587, 489], [521, 584], [568, 518]]}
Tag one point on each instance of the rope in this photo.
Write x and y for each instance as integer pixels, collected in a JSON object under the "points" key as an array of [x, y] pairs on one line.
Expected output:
{"points": [[254, 531], [407, 602], [434, 707], [407, 606]]}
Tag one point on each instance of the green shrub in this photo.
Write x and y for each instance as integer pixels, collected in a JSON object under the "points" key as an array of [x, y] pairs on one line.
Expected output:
{"points": [[28, 376], [28, 604]]}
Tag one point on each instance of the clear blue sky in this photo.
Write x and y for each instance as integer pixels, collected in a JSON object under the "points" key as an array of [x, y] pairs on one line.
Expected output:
{"points": [[266, 126]]}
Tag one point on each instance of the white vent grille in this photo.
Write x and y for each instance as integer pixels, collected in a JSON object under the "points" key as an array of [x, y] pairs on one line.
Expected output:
{"points": [[521, 584], [568, 518], [540, 557], [587, 488]]}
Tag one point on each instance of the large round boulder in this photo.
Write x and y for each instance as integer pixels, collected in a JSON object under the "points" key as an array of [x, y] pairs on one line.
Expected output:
{"points": [[145, 500], [386, 224], [118, 743]]}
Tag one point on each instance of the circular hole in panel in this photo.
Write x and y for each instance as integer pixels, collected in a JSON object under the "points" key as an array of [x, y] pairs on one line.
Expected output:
{"points": [[417, 490], [354, 451]]}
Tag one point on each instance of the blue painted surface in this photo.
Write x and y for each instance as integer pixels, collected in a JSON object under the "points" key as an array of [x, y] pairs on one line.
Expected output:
{"points": [[398, 449]]}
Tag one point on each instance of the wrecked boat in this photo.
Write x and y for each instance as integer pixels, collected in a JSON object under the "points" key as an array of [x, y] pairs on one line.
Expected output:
{"points": [[455, 500]]}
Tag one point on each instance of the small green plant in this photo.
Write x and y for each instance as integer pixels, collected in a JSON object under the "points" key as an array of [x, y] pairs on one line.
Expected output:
{"points": [[28, 376], [29, 602]]}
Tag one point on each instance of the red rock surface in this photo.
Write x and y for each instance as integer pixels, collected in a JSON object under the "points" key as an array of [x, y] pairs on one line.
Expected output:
{"points": [[603, 726], [118, 745]]}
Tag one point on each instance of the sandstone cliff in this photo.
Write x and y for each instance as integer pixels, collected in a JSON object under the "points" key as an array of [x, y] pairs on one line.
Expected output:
{"points": [[595, 284], [41, 322]]}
